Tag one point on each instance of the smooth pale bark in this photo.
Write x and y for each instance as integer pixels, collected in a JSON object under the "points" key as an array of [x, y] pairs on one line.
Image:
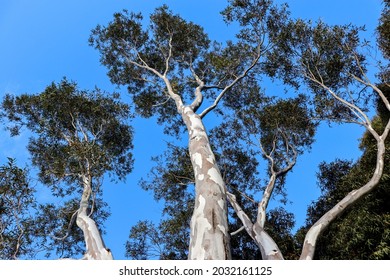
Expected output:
{"points": [[268, 248], [314, 232], [209, 238], [96, 249], [262, 206]]}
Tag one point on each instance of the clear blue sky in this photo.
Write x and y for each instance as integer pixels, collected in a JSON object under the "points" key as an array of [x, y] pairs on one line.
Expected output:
{"points": [[45, 40]]}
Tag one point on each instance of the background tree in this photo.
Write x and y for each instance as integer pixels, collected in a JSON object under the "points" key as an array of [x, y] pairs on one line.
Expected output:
{"points": [[78, 137], [170, 182], [17, 205], [284, 131]]}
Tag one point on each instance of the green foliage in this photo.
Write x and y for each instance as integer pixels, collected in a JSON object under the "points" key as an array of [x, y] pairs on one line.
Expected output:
{"points": [[324, 58], [297, 52], [258, 19], [279, 226], [180, 51], [57, 231], [75, 133], [17, 204], [170, 180], [383, 29], [362, 232], [125, 46]]}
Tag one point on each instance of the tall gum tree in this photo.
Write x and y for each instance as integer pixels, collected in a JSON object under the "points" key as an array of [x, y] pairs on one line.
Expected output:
{"points": [[78, 136], [170, 69], [283, 130], [332, 63]]}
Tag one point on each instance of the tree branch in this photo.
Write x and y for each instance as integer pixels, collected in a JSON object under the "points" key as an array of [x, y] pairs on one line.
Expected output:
{"points": [[228, 87], [350, 199]]}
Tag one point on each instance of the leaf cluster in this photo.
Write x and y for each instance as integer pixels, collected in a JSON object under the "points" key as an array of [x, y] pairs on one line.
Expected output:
{"points": [[75, 131], [17, 203], [324, 58], [130, 51]]}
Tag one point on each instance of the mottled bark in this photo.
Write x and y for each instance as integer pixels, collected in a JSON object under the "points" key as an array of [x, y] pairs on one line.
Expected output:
{"points": [[95, 248], [268, 248], [209, 238]]}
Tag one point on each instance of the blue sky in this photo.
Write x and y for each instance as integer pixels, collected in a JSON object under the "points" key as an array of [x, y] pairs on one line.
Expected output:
{"points": [[45, 40]]}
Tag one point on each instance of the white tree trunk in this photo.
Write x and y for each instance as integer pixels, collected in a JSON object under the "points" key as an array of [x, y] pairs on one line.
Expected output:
{"points": [[96, 249], [209, 238], [268, 248], [314, 232]]}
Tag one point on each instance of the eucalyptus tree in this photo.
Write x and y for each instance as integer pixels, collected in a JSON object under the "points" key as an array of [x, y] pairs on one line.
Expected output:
{"points": [[331, 61], [78, 136], [171, 181], [171, 68], [173, 71], [284, 130], [363, 231]]}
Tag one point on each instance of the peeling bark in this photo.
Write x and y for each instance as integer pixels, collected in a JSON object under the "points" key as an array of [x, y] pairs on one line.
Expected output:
{"points": [[209, 238], [95, 248]]}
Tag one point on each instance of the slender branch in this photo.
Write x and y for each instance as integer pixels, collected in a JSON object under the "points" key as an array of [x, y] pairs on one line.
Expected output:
{"points": [[269, 249], [169, 56], [71, 222], [375, 88], [162, 103], [247, 223], [353, 108], [262, 206], [228, 87], [237, 231], [144, 65], [198, 91]]}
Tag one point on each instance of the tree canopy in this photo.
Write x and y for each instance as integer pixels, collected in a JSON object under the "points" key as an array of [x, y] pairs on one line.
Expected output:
{"points": [[224, 190], [78, 136]]}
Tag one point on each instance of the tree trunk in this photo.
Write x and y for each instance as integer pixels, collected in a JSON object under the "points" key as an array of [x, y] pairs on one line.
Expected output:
{"points": [[96, 249], [268, 248], [314, 232], [209, 238]]}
